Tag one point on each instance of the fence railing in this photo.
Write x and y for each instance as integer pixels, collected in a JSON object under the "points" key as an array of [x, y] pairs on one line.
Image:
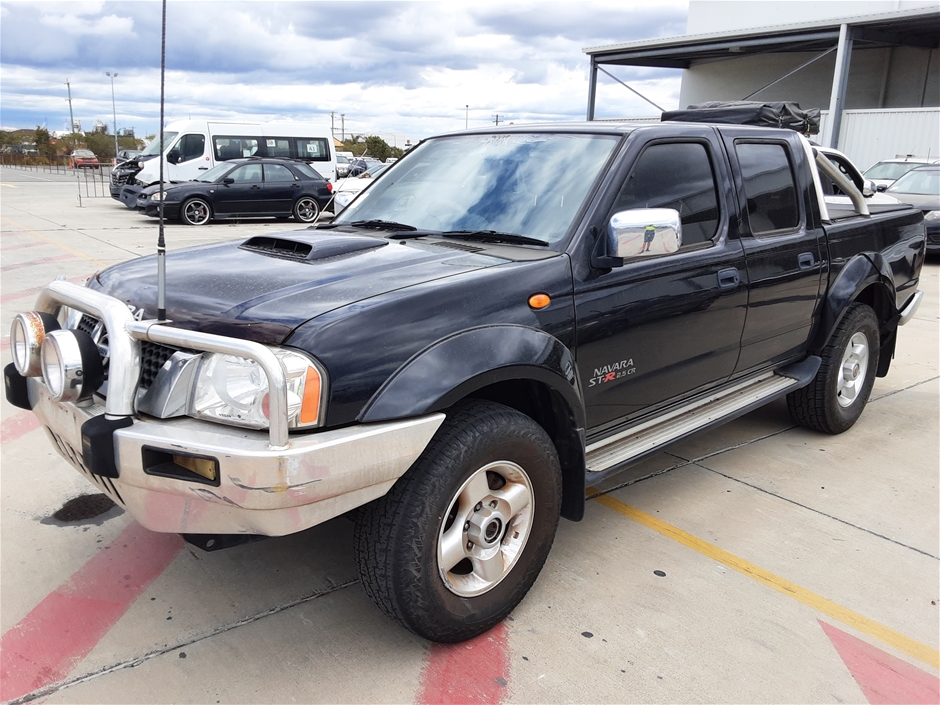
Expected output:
{"points": [[92, 182]]}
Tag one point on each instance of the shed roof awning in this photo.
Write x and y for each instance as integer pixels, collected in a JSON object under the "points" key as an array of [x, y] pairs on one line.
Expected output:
{"points": [[919, 27]]}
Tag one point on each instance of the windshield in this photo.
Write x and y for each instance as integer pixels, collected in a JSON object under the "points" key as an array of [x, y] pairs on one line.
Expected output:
{"points": [[525, 184], [924, 182], [215, 173], [154, 146], [890, 170]]}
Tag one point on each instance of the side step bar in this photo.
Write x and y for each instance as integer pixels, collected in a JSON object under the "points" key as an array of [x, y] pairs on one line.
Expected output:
{"points": [[608, 456]]}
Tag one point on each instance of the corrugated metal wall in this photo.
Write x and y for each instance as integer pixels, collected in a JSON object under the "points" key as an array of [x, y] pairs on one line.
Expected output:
{"points": [[871, 135]]}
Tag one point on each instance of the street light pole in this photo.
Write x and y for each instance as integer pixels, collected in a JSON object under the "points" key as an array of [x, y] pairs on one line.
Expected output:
{"points": [[112, 76], [466, 121]]}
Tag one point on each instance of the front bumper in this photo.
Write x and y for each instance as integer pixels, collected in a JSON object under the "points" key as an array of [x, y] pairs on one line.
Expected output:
{"points": [[171, 210], [267, 482], [260, 490]]}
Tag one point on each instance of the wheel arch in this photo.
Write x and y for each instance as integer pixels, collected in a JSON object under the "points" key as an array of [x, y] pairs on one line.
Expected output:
{"points": [[522, 368], [868, 281]]}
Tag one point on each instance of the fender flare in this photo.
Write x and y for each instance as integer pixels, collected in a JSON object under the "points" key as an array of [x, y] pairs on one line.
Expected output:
{"points": [[454, 367], [858, 274]]}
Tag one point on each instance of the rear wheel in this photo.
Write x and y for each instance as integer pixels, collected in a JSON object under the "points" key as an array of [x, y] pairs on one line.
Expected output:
{"points": [[306, 209], [836, 397], [195, 211], [461, 537]]}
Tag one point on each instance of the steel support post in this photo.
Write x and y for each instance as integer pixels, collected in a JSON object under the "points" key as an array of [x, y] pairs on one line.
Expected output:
{"points": [[840, 79]]}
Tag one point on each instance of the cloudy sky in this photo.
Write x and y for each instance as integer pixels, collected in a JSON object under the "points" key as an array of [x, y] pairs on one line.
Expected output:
{"points": [[403, 70]]}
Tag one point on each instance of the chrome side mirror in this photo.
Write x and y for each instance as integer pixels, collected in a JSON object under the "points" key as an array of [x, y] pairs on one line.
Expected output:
{"points": [[868, 189], [643, 232]]}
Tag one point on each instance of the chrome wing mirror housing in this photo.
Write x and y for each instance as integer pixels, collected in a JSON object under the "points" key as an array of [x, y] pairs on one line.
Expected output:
{"points": [[638, 233]]}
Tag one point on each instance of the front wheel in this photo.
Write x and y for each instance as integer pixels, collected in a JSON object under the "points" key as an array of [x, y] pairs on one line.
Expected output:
{"points": [[836, 397], [195, 211], [462, 536], [306, 209]]}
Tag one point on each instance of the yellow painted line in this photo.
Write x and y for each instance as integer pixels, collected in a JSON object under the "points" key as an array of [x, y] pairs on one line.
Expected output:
{"points": [[8, 185], [56, 242], [909, 646]]}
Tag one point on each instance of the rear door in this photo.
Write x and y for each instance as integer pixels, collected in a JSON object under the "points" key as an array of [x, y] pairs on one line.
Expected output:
{"points": [[660, 328], [784, 247], [244, 196], [281, 189]]}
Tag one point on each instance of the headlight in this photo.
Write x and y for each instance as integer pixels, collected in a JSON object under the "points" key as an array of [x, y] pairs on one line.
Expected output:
{"points": [[140, 165], [71, 365], [932, 215], [157, 196], [26, 335], [343, 198], [234, 390]]}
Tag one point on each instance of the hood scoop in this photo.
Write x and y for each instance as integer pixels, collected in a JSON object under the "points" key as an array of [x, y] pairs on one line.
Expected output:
{"points": [[310, 250]]}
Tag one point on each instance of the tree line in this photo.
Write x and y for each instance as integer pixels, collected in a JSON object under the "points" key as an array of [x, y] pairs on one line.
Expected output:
{"points": [[41, 144]]}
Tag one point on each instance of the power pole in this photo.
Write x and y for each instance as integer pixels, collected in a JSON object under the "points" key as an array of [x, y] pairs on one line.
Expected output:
{"points": [[497, 119], [466, 121], [71, 117], [342, 122], [332, 124]]}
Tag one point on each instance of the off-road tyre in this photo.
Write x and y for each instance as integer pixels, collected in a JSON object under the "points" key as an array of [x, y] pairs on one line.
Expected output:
{"points": [[396, 537], [195, 211], [817, 405]]}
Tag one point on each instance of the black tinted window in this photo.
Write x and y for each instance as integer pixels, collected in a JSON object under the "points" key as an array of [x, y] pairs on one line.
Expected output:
{"points": [[248, 174], [235, 147], [191, 147], [314, 149], [769, 187], [276, 172], [678, 176], [308, 171], [278, 147]]}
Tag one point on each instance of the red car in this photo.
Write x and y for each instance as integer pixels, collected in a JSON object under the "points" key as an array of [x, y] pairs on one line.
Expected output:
{"points": [[81, 158]]}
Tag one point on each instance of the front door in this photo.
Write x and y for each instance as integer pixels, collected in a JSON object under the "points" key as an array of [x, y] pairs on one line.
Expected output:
{"points": [[192, 158], [244, 195], [662, 327]]}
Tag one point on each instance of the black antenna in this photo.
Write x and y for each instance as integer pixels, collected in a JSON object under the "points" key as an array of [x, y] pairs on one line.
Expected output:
{"points": [[161, 243]]}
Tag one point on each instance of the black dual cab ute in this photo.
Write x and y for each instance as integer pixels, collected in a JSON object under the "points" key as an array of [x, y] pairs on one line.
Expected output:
{"points": [[503, 318]]}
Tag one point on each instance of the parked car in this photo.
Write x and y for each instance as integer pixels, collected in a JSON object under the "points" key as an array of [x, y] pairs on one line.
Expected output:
{"points": [[347, 189], [83, 159], [342, 166], [471, 344], [242, 188], [920, 187], [887, 171], [127, 154], [835, 195]]}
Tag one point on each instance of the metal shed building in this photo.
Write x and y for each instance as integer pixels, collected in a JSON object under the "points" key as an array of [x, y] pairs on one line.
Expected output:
{"points": [[877, 73]]}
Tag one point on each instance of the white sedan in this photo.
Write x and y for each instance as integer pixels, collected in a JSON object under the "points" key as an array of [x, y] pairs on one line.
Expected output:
{"points": [[345, 190]]}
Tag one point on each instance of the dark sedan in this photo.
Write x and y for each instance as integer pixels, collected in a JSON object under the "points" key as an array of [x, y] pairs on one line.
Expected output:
{"points": [[921, 188], [243, 188]]}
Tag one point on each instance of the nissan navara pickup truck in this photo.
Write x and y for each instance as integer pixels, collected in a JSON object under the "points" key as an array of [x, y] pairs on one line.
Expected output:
{"points": [[500, 320]]}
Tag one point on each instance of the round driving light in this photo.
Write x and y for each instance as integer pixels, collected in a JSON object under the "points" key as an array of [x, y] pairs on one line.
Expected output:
{"points": [[26, 336], [71, 365]]}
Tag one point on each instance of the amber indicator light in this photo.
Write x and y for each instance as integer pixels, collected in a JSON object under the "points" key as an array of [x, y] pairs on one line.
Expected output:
{"points": [[538, 301]]}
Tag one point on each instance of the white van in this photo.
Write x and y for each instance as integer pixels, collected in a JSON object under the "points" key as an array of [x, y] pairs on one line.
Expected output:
{"points": [[192, 147]]}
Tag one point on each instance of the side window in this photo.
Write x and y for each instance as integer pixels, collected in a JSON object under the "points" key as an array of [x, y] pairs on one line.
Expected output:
{"points": [[675, 175], [769, 187], [235, 147], [276, 172], [191, 147], [248, 174], [277, 147], [313, 149]]}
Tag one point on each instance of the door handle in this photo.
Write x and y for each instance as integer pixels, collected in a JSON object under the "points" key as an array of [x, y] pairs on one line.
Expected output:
{"points": [[255, 186], [806, 260], [728, 278], [202, 168], [295, 185]]}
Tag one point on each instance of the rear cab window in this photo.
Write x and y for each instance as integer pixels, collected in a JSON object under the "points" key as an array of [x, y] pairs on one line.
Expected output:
{"points": [[769, 187]]}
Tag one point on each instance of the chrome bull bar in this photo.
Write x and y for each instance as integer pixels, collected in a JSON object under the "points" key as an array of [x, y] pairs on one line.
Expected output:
{"points": [[125, 334]]}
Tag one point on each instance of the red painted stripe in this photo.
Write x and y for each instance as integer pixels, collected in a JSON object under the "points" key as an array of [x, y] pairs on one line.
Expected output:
{"points": [[5, 344], [60, 631], [883, 678], [7, 248], [18, 425], [14, 296], [36, 262], [474, 671]]}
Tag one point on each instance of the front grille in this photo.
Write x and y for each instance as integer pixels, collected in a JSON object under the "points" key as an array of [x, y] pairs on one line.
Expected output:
{"points": [[152, 355]]}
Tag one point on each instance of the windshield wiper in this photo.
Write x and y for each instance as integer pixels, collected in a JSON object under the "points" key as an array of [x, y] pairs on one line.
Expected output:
{"points": [[381, 225], [494, 236]]}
